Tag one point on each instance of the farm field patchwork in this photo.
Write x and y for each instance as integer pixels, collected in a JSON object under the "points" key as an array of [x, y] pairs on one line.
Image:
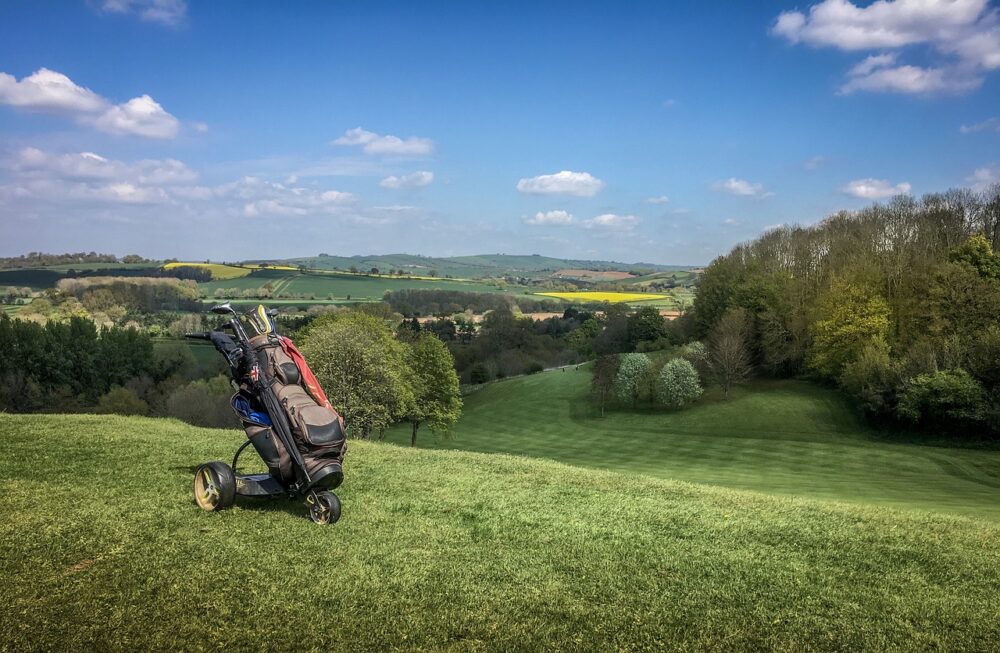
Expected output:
{"points": [[457, 551], [597, 296], [785, 437], [324, 285]]}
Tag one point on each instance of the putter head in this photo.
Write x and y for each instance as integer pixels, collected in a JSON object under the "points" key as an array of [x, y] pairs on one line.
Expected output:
{"points": [[223, 309]]}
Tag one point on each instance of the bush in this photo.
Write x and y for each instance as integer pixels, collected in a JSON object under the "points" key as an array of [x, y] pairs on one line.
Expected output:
{"points": [[534, 368], [121, 401], [203, 403], [951, 394], [678, 384], [628, 381], [479, 373]]}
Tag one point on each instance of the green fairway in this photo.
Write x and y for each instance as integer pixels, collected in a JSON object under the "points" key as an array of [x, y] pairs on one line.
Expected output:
{"points": [[102, 549], [788, 437]]}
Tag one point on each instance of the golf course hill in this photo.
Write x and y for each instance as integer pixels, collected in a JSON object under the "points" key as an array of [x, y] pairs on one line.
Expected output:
{"points": [[102, 548]]}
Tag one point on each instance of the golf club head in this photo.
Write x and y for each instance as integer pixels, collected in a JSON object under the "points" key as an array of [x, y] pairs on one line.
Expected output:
{"points": [[223, 309]]}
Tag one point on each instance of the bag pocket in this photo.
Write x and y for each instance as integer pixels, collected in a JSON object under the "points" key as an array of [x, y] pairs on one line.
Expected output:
{"points": [[317, 425]]}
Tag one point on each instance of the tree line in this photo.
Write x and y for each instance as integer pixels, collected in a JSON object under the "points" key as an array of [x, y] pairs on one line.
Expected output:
{"points": [[898, 304]]}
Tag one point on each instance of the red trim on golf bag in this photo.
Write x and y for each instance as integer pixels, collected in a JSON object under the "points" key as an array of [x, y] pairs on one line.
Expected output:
{"points": [[309, 381]]}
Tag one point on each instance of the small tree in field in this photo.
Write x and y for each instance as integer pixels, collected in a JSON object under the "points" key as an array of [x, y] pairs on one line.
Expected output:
{"points": [[605, 370], [678, 384], [628, 379], [436, 399], [728, 351]]}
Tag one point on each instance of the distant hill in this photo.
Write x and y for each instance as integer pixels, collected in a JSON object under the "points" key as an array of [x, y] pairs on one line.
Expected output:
{"points": [[484, 265]]}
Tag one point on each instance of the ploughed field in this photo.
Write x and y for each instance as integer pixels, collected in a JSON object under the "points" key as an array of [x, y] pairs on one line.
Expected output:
{"points": [[101, 548], [783, 437]]}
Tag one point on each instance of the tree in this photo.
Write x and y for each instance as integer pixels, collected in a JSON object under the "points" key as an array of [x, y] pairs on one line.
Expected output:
{"points": [[628, 380], [121, 401], [434, 384], [728, 350], [361, 366], [678, 384], [853, 317], [602, 382], [645, 325], [951, 394], [480, 373], [978, 253]]}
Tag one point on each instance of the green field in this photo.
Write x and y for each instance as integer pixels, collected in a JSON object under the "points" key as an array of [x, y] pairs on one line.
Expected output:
{"points": [[101, 548], [340, 286], [789, 438], [478, 266]]}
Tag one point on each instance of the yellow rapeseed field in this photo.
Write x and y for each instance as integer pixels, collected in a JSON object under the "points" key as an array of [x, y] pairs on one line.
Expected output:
{"points": [[218, 270], [596, 296]]}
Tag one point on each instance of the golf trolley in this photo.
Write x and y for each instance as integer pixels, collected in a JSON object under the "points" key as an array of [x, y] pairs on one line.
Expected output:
{"points": [[287, 418]]}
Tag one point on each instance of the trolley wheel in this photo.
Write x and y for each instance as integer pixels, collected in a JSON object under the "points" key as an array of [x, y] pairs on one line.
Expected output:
{"points": [[324, 507], [214, 486]]}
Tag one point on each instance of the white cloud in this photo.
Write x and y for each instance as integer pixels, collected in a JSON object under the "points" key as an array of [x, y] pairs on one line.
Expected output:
{"points": [[741, 187], [875, 189], [200, 127], [732, 222], [985, 177], [166, 12], [659, 199], [557, 218], [82, 166], [416, 179], [581, 184], [669, 104], [814, 163], [966, 32], [372, 143], [141, 116], [988, 125], [878, 77], [612, 222], [47, 91]]}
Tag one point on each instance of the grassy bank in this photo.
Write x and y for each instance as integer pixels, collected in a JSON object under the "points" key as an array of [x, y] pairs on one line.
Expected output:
{"points": [[789, 438], [101, 548]]}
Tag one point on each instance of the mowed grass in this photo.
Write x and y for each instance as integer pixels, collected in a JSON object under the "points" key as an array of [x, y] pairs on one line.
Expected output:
{"points": [[102, 549], [789, 438]]}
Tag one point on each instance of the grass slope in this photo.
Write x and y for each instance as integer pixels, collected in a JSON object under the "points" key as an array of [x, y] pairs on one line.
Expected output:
{"points": [[790, 438], [102, 549]]}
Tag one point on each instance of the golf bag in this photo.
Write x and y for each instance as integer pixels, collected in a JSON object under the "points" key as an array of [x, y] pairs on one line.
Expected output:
{"points": [[316, 428]]}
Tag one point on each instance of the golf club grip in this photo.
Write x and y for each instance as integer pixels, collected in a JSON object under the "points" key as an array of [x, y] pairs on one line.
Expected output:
{"points": [[198, 335]]}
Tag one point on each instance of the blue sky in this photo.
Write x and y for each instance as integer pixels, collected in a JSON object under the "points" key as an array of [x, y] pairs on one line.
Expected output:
{"points": [[659, 132]]}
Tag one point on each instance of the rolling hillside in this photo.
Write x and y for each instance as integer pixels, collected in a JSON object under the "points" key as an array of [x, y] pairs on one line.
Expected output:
{"points": [[480, 266], [789, 438], [101, 548]]}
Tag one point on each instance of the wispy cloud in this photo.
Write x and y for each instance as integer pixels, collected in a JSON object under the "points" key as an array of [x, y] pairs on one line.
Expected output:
{"points": [[47, 91], [166, 12], [566, 182], [372, 143], [416, 179], [988, 125], [814, 163], [557, 218], [874, 189], [612, 222], [658, 199], [742, 187], [985, 177]]}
